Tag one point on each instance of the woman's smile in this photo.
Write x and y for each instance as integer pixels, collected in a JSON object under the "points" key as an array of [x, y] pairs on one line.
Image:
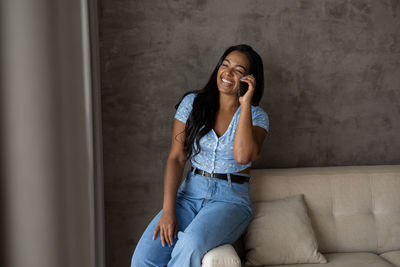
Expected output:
{"points": [[233, 67], [227, 82]]}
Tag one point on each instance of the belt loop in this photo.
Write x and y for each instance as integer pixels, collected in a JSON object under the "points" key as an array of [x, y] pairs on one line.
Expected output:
{"points": [[194, 169], [229, 179]]}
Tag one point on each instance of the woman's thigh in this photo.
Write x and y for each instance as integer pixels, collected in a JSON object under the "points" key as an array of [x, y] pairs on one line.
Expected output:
{"points": [[216, 224], [149, 252]]}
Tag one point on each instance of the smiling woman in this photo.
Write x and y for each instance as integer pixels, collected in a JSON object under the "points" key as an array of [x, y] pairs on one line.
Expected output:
{"points": [[221, 133]]}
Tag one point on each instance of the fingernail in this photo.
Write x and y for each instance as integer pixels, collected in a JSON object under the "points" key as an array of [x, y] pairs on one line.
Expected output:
{"points": [[162, 245], [242, 78], [153, 238]]}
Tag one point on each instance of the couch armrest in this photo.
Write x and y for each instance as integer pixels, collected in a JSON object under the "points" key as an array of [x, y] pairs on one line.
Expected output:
{"points": [[222, 256]]}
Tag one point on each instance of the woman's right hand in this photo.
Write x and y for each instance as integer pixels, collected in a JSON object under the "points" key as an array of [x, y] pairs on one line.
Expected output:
{"points": [[168, 227]]}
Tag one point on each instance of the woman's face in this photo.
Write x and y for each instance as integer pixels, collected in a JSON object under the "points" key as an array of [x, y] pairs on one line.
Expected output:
{"points": [[233, 67]]}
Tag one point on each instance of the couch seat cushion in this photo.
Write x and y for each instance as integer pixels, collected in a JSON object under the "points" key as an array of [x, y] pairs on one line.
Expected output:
{"points": [[393, 257], [359, 259]]}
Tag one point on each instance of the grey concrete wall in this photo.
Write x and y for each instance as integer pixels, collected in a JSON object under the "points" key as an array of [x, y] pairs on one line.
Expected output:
{"points": [[332, 89]]}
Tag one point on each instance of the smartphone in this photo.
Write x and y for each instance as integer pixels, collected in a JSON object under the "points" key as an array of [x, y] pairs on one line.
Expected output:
{"points": [[242, 88]]}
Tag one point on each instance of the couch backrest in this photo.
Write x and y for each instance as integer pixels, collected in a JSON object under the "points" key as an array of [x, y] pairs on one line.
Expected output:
{"points": [[352, 208]]}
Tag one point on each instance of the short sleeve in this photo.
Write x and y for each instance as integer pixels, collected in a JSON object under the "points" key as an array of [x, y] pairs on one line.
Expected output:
{"points": [[260, 118], [185, 107]]}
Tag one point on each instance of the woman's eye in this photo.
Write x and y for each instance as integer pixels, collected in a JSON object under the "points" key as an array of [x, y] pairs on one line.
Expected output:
{"points": [[239, 71]]}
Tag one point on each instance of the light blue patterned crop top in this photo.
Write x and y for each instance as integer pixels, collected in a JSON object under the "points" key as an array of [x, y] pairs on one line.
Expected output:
{"points": [[216, 154]]}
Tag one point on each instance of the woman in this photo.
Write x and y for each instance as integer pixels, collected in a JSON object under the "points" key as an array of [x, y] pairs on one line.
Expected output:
{"points": [[212, 206]]}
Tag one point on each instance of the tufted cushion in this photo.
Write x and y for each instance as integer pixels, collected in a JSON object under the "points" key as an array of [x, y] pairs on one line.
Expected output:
{"points": [[352, 208]]}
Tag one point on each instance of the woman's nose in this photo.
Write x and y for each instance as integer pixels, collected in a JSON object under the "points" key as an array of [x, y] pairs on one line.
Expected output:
{"points": [[230, 71]]}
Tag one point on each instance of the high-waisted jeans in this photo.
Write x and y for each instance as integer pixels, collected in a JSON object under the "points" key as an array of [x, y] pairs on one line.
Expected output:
{"points": [[210, 212]]}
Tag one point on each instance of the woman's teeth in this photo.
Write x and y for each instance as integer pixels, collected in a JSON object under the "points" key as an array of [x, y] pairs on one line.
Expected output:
{"points": [[226, 81]]}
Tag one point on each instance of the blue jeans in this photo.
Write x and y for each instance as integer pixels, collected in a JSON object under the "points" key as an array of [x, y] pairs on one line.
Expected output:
{"points": [[210, 212]]}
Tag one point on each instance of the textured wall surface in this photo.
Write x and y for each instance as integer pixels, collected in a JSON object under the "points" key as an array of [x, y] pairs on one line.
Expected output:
{"points": [[332, 89]]}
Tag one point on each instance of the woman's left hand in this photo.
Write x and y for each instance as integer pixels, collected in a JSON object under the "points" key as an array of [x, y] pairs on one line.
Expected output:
{"points": [[251, 81]]}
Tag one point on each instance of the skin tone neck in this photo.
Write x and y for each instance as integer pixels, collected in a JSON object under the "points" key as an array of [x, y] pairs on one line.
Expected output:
{"points": [[228, 102]]}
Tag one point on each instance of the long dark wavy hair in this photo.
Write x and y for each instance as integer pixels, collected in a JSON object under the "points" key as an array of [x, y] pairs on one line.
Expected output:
{"points": [[206, 103]]}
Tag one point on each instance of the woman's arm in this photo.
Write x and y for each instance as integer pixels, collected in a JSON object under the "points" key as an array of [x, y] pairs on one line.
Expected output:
{"points": [[175, 165], [168, 224], [248, 138]]}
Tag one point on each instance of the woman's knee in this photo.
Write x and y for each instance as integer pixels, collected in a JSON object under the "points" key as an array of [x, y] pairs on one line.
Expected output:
{"points": [[138, 259], [149, 252], [146, 256], [191, 243]]}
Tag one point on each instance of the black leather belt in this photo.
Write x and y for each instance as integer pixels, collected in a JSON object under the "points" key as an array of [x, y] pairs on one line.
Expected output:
{"points": [[234, 178]]}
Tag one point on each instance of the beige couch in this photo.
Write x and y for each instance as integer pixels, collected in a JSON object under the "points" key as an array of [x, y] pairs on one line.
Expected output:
{"points": [[354, 210]]}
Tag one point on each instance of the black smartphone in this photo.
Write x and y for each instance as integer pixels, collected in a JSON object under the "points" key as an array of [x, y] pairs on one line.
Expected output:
{"points": [[242, 88]]}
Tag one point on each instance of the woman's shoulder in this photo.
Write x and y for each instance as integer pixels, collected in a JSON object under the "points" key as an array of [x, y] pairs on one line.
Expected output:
{"points": [[185, 107], [191, 96], [260, 117], [257, 110]]}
